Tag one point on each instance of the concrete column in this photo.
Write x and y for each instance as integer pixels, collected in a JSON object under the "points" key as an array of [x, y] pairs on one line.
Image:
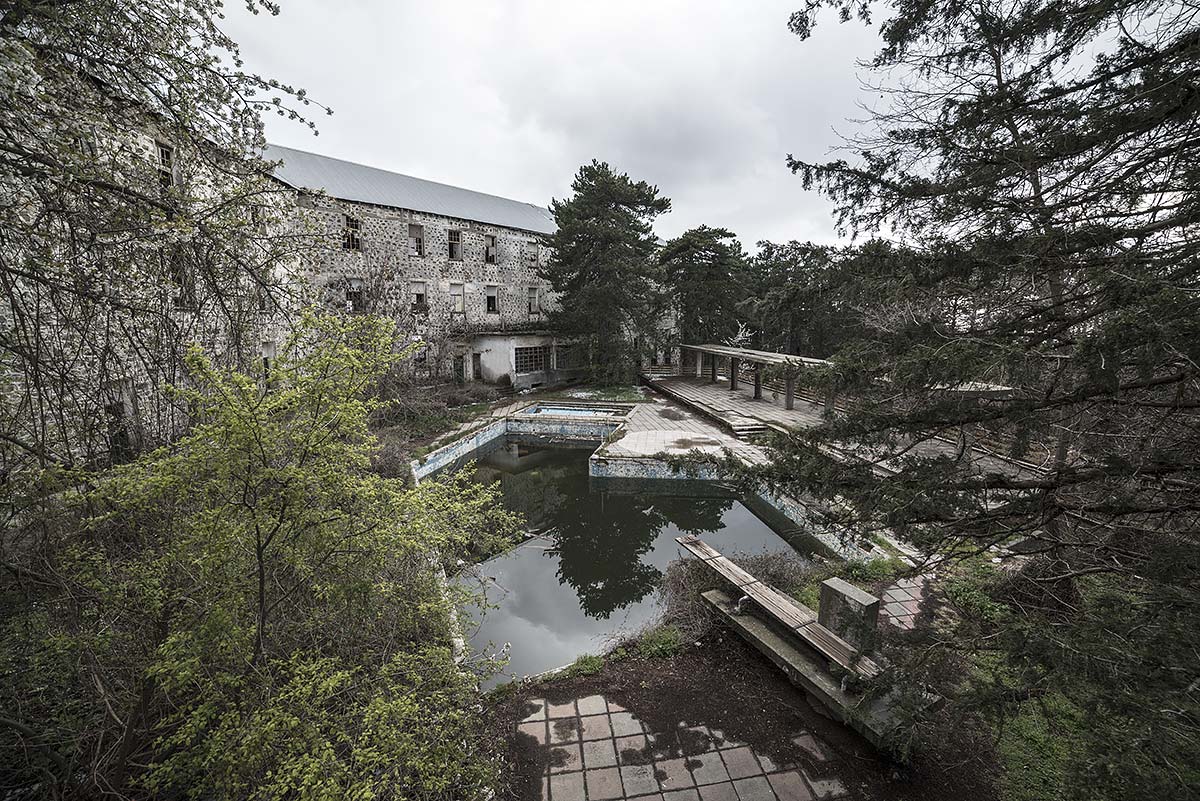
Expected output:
{"points": [[734, 364], [789, 392], [699, 363], [712, 368], [758, 382]]}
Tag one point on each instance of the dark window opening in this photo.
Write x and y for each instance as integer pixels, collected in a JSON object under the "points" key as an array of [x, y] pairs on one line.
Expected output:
{"points": [[352, 234], [418, 294], [492, 300], [120, 440], [416, 240], [454, 245], [489, 249], [535, 307], [457, 301], [166, 167]]}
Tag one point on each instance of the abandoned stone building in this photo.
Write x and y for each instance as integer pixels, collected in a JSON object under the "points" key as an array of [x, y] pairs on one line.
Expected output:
{"points": [[457, 269]]}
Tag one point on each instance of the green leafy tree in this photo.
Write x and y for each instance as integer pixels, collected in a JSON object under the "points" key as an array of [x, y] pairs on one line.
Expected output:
{"points": [[251, 612], [704, 270], [603, 268], [1041, 161]]}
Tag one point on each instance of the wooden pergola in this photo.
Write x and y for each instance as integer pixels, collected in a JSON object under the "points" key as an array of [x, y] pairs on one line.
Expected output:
{"points": [[739, 356]]}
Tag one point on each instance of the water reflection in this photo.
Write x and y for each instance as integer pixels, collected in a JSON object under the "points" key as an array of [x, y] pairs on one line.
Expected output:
{"points": [[593, 571]]}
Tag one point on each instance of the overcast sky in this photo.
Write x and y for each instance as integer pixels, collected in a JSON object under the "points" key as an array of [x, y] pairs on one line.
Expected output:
{"points": [[704, 99]]}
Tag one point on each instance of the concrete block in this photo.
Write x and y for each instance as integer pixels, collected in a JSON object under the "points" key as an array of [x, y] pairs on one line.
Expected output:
{"points": [[849, 613]]}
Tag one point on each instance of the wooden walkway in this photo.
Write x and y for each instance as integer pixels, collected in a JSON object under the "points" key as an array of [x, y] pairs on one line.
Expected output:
{"points": [[797, 618]]}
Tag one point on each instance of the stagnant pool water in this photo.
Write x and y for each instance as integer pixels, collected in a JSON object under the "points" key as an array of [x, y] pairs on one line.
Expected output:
{"points": [[593, 570]]}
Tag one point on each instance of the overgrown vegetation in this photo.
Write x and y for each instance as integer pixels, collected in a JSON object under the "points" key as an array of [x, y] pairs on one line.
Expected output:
{"points": [[251, 611]]}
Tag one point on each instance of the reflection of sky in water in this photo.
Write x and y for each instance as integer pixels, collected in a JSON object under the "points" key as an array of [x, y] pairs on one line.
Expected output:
{"points": [[595, 572]]}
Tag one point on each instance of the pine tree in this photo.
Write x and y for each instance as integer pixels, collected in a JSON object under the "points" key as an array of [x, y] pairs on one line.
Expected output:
{"points": [[603, 267], [706, 277], [1042, 161]]}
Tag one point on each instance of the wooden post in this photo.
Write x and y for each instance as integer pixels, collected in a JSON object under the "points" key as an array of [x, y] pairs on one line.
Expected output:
{"points": [[789, 392], [712, 368], [699, 364], [758, 382], [830, 402], [734, 364]]}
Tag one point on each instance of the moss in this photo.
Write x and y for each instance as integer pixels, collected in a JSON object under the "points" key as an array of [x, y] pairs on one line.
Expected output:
{"points": [[1035, 748]]}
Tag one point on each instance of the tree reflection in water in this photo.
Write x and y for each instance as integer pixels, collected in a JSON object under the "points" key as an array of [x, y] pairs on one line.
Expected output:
{"points": [[601, 539]]}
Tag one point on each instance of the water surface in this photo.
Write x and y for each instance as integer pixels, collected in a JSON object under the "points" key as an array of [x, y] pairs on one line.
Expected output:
{"points": [[593, 569]]}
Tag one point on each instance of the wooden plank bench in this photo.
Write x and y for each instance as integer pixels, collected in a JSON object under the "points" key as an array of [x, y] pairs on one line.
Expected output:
{"points": [[797, 618]]}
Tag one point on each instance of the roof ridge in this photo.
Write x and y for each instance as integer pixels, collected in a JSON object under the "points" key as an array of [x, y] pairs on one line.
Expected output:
{"points": [[407, 175]]}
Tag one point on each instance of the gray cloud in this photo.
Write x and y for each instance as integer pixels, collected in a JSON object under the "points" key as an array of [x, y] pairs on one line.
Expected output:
{"points": [[703, 99]]}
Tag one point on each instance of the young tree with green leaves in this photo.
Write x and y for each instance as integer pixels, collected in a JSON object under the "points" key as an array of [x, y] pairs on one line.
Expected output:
{"points": [[603, 268], [1041, 161], [250, 612], [704, 270]]}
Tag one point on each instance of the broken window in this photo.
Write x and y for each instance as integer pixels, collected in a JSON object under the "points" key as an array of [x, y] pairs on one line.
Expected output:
{"points": [[182, 281], [417, 291], [535, 306], [416, 240], [564, 357], [489, 248], [166, 167], [531, 360], [457, 304], [352, 233], [454, 241], [492, 300], [355, 299]]}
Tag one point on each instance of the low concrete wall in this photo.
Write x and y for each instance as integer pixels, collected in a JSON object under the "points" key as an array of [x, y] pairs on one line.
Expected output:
{"points": [[641, 467]]}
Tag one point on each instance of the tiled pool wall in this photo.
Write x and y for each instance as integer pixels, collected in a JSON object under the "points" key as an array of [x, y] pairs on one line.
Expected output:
{"points": [[601, 466]]}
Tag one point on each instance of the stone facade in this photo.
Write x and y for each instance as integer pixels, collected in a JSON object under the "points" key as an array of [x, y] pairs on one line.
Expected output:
{"points": [[472, 305]]}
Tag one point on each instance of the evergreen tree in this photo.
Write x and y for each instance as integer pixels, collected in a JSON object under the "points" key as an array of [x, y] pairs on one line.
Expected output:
{"points": [[705, 275], [603, 268], [1042, 160]]}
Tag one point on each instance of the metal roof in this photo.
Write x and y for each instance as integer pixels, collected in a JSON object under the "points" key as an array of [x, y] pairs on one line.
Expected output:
{"points": [[346, 180]]}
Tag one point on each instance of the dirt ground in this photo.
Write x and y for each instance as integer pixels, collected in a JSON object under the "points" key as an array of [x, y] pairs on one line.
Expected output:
{"points": [[725, 685]]}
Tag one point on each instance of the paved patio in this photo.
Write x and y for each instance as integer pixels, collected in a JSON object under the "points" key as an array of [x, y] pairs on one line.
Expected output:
{"points": [[596, 750]]}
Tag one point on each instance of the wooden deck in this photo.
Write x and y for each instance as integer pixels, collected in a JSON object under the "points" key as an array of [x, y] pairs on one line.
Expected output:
{"points": [[797, 618]]}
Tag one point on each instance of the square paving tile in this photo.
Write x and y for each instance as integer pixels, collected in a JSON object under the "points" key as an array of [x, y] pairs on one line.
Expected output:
{"points": [[625, 724], [536, 730], [752, 789], [673, 774], [718, 792], [604, 783], [813, 747], [790, 786], [632, 750], [688, 794], [545, 788], [769, 765], [566, 710], [564, 758], [826, 788], [613, 706], [639, 779], [592, 705], [567, 787], [599, 754], [564, 730], [596, 727], [708, 768], [535, 709], [740, 763]]}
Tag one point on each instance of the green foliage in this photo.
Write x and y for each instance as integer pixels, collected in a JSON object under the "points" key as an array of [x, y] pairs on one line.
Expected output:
{"points": [[584, 665], [266, 612], [660, 642], [603, 267], [706, 276]]}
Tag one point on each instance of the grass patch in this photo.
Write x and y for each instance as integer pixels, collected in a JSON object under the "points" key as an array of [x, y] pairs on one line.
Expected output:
{"points": [[660, 642], [1035, 748], [585, 665]]}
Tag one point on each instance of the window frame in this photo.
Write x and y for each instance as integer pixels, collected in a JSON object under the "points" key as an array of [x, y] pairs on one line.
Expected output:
{"points": [[533, 299], [356, 296], [418, 298], [351, 233], [534, 357], [491, 299], [454, 238], [490, 248], [416, 244], [458, 301]]}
